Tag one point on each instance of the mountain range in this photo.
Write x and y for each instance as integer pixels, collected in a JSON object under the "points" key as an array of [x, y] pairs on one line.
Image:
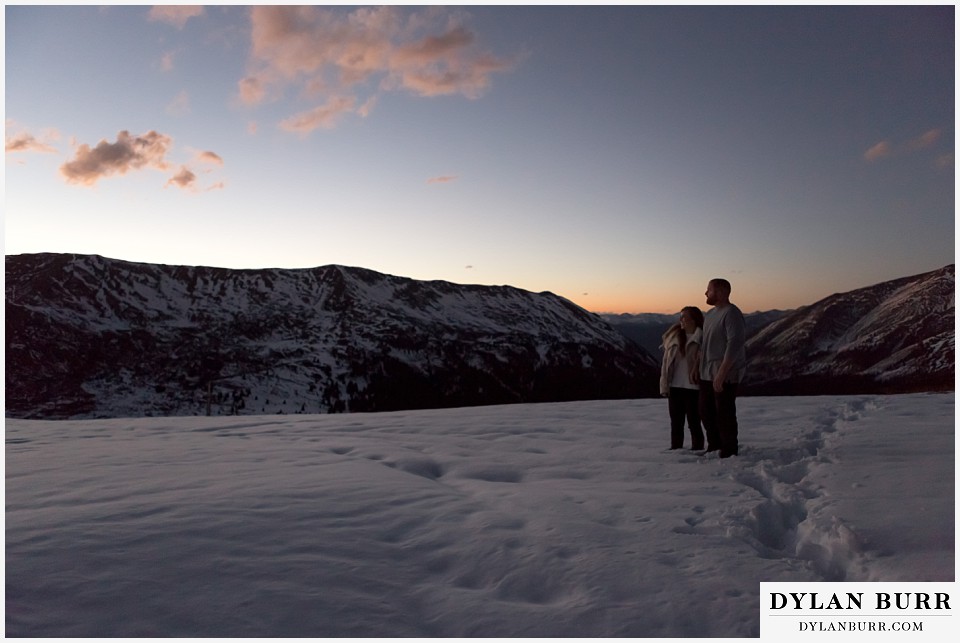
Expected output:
{"points": [[892, 337], [88, 336]]}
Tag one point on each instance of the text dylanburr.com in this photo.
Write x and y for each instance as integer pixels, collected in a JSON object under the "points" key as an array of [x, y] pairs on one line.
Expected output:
{"points": [[801, 611]]}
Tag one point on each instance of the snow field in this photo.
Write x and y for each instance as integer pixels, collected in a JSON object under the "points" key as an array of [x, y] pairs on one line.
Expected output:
{"points": [[524, 520]]}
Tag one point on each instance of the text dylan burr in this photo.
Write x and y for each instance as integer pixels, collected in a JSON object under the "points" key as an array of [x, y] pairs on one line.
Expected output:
{"points": [[855, 601]]}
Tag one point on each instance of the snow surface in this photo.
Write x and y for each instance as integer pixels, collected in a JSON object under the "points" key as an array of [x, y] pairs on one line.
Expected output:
{"points": [[526, 520]]}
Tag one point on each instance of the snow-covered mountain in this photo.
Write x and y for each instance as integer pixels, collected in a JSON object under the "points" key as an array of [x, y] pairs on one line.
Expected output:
{"points": [[897, 336], [88, 336]]}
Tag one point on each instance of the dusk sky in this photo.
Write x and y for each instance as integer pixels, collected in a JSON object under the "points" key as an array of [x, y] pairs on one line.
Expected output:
{"points": [[617, 156]]}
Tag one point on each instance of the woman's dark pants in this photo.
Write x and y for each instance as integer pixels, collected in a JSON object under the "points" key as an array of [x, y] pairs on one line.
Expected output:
{"points": [[684, 405]]}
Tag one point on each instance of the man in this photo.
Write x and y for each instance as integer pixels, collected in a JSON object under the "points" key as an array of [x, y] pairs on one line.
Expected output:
{"points": [[723, 360]]}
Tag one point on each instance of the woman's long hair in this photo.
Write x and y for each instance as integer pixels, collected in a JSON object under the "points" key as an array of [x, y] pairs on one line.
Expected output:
{"points": [[697, 316]]}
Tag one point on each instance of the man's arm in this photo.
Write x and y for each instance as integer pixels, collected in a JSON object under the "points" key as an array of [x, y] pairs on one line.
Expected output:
{"points": [[736, 338], [721, 375]]}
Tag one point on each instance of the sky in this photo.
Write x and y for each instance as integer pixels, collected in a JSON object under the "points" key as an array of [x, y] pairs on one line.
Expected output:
{"points": [[617, 156]]}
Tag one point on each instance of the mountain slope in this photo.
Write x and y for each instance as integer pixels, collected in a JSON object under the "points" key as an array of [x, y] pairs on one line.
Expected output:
{"points": [[896, 336], [94, 337]]}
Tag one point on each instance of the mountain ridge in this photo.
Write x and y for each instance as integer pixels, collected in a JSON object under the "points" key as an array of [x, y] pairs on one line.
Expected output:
{"points": [[89, 336], [92, 336], [895, 336]]}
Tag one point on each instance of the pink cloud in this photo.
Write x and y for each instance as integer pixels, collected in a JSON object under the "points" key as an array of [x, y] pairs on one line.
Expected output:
{"points": [[252, 90], [130, 152], [881, 150], [25, 142], [324, 116], [183, 179], [433, 48], [442, 179], [186, 179], [299, 42], [210, 157], [885, 149], [349, 57], [176, 15], [89, 165], [925, 140]]}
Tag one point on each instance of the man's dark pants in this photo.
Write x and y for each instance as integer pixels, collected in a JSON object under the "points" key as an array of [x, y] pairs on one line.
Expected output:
{"points": [[718, 412]]}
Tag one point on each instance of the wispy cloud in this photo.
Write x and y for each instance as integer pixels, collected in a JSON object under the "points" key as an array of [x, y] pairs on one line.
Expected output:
{"points": [[166, 61], [886, 149], [25, 142], [324, 116], [925, 140], [442, 179], [176, 15], [18, 138], [879, 151], [180, 105], [348, 58], [209, 157], [944, 161]]}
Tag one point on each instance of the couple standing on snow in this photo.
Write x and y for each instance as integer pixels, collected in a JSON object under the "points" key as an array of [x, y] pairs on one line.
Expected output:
{"points": [[704, 358]]}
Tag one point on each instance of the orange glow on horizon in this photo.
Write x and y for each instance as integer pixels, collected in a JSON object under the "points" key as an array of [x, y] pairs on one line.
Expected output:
{"points": [[626, 304], [747, 296]]}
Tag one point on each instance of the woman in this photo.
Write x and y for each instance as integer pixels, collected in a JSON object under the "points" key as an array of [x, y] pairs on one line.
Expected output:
{"points": [[679, 380]]}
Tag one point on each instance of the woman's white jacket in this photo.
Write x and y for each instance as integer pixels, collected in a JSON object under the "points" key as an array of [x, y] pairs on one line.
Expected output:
{"points": [[671, 348]]}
